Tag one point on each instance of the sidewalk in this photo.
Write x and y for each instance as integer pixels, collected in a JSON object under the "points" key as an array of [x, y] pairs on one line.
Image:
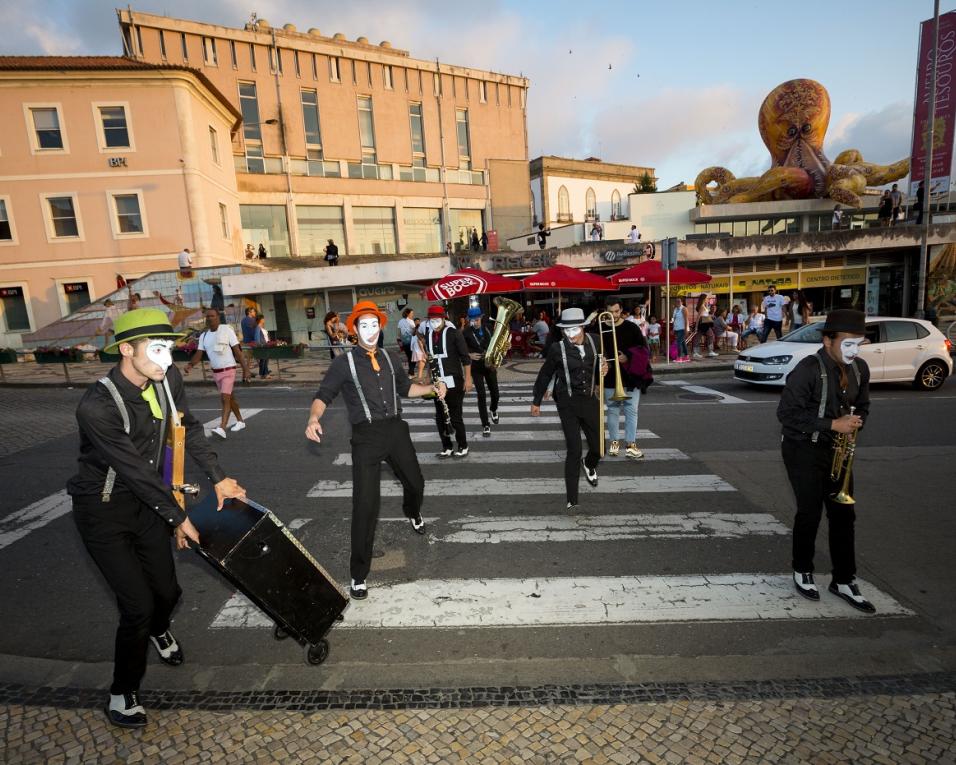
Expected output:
{"points": [[307, 371]]}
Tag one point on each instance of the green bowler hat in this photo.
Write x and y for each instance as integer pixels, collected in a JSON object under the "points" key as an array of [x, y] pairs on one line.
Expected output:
{"points": [[142, 322]]}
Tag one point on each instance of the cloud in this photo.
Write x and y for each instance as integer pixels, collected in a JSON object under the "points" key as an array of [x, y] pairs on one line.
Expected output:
{"points": [[882, 136]]}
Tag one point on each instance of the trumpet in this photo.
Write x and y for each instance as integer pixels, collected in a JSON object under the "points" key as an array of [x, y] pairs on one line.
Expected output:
{"points": [[619, 395], [844, 450]]}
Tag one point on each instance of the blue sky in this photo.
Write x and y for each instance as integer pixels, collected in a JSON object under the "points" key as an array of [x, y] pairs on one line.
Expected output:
{"points": [[685, 81]]}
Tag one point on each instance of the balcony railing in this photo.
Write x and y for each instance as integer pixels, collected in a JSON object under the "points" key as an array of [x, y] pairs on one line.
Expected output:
{"points": [[357, 170]]}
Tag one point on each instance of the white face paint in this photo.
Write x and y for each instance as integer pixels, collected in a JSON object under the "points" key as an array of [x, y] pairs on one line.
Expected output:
{"points": [[368, 330], [476, 322], [850, 348], [160, 353], [436, 324], [572, 333]]}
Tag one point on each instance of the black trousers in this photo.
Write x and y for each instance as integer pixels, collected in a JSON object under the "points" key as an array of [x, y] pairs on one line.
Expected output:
{"points": [[408, 355], [580, 414], [808, 467], [455, 398], [131, 546], [372, 444], [481, 374], [769, 324]]}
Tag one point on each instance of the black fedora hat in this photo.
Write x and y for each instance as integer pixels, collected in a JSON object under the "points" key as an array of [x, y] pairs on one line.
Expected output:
{"points": [[845, 320]]}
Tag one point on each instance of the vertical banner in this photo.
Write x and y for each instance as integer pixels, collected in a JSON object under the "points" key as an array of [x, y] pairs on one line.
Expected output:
{"points": [[945, 120], [941, 284]]}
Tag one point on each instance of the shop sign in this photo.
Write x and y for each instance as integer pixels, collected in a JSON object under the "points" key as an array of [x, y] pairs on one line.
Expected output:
{"points": [[11, 292], [782, 280], [646, 250], [515, 262], [72, 287]]}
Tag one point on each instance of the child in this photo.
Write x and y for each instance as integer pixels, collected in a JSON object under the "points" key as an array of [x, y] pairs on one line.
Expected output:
{"points": [[654, 336], [418, 355]]}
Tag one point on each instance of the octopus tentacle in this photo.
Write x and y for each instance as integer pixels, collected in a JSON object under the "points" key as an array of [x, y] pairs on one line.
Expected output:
{"points": [[845, 184], [777, 183], [720, 175]]}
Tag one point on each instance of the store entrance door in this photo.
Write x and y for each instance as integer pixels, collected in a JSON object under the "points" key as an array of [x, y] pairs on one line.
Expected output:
{"points": [[884, 290]]}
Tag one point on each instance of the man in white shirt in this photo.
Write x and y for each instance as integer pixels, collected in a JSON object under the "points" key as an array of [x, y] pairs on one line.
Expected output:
{"points": [[633, 236], [773, 305], [224, 353], [406, 332], [185, 260]]}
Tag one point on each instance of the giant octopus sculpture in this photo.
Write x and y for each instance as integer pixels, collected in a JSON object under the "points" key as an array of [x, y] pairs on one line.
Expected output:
{"points": [[793, 121]]}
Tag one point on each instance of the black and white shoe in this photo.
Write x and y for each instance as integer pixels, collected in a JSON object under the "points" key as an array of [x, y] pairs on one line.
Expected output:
{"points": [[125, 710], [805, 585], [461, 451], [572, 506], [445, 453], [418, 524], [589, 473], [851, 594], [358, 590], [486, 431], [168, 649], [494, 416]]}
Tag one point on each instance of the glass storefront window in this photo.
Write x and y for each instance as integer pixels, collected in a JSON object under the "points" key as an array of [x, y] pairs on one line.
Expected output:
{"points": [[14, 309], [461, 223], [318, 224], [268, 225], [740, 228], [374, 230], [421, 229], [753, 227]]}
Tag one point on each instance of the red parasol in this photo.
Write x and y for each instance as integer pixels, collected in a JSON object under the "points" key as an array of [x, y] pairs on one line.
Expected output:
{"points": [[558, 278], [650, 272], [469, 281]]}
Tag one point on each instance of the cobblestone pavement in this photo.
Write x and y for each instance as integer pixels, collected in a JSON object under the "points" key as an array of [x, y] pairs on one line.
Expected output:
{"points": [[869, 729], [33, 417]]}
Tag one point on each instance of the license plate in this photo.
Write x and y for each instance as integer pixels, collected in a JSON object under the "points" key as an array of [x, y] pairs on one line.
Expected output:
{"points": [[741, 367]]}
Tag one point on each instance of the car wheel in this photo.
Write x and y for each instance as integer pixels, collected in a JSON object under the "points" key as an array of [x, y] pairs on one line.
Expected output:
{"points": [[931, 375]]}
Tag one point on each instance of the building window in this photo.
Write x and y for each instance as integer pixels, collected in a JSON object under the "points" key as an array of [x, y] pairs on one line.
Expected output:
{"points": [[6, 227], [421, 229], [209, 51], [387, 76], [249, 106], [462, 223], [214, 144], [295, 61], [374, 230], [335, 73], [252, 56], [497, 94], [310, 118], [316, 225], [417, 123], [162, 44], [354, 73], [564, 206], [115, 131], [224, 221], [128, 212], [368, 73], [315, 67], [616, 205], [46, 128], [464, 140], [76, 295], [233, 55], [405, 72], [366, 126], [482, 91], [183, 46], [255, 162], [275, 60], [436, 83], [590, 204], [63, 219], [139, 39], [13, 308], [266, 225]]}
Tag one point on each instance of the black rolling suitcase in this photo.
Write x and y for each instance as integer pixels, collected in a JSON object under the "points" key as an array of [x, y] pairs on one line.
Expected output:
{"points": [[248, 545]]}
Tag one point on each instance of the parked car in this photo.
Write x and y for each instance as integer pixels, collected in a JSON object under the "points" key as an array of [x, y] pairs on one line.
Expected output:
{"points": [[896, 350]]}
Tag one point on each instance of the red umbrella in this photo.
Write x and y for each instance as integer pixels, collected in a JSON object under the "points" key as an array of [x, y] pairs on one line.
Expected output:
{"points": [[650, 272], [469, 281], [558, 278]]}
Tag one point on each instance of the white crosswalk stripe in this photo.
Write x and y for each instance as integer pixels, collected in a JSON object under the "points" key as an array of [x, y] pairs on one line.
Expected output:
{"points": [[246, 414], [35, 516], [481, 451], [498, 435]]}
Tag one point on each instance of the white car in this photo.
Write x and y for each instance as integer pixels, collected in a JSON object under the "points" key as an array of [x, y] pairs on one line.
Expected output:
{"points": [[896, 350]]}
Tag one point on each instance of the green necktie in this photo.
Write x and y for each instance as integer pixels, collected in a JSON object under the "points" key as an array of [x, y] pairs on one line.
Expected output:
{"points": [[149, 394]]}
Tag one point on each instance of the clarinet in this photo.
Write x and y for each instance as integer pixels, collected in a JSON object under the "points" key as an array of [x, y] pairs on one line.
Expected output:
{"points": [[436, 378]]}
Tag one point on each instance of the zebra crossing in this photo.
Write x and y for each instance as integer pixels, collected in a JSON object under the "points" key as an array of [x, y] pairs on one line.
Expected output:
{"points": [[501, 534]]}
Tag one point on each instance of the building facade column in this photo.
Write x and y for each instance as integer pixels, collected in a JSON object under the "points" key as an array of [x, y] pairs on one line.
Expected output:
{"points": [[198, 220]]}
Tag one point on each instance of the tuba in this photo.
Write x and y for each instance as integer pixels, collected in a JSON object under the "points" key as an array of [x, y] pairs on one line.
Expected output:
{"points": [[844, 449], [619, 395], [501, 337]]}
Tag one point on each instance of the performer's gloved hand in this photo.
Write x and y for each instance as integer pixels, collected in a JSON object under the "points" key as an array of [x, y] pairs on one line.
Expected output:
{"points": [[535, 411], [313, 431], [227, 488], [603, 368], [185, 533], [441, 389]]}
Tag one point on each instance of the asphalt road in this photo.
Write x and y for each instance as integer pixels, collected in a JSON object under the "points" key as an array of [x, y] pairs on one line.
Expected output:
{"points": [[507, 573]]}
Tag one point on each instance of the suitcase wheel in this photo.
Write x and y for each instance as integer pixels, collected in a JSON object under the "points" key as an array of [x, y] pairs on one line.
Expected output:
{"points": [[318, 653], [278, 633]]}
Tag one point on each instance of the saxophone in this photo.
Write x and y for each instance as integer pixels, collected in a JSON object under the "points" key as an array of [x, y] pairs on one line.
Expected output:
{"points": [[501, 337]]}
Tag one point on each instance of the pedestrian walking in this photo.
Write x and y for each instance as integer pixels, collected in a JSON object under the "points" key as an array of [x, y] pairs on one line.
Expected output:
{"points": [[122, 507], [799, 310], [370, 383], [478, 337], [896, 199], [221, 346], [826, 397], [262, 340], [772, 306], [448, 353], [406, 333], [331, 253], [679, 326], [633, 357]]}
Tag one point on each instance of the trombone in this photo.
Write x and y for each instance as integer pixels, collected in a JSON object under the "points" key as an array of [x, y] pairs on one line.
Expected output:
{"points": [[606, 317]]}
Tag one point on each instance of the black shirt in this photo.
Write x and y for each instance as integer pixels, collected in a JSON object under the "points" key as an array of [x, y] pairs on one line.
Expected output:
{"points": [[104, 444], [376, 386], [581, 370], [800, 400], [477, 338], [452, 359], [628, 335]]}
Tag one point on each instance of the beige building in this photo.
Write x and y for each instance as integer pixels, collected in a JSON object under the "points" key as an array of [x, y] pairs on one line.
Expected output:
{"points": [[352, 141], [108, 167]]}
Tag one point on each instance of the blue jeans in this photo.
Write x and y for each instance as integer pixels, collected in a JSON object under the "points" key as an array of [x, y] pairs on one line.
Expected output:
{"points": [[681, 343], [630, 405]]}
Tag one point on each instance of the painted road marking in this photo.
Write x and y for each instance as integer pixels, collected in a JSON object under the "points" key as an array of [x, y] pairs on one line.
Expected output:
{"points": [[458, 603], [725, 398], [429, 420], [498, 435], [246, 414], [529, 457], [603, 528], [297, 523], [477, 487], [20, 523]]}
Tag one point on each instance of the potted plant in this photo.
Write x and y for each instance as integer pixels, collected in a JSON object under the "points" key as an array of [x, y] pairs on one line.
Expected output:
{"points": [[277, 349], [8, 355], [54, 355]]}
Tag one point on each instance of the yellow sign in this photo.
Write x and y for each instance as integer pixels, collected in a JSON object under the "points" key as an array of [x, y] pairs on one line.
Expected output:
{"points": [[782, 280]]}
